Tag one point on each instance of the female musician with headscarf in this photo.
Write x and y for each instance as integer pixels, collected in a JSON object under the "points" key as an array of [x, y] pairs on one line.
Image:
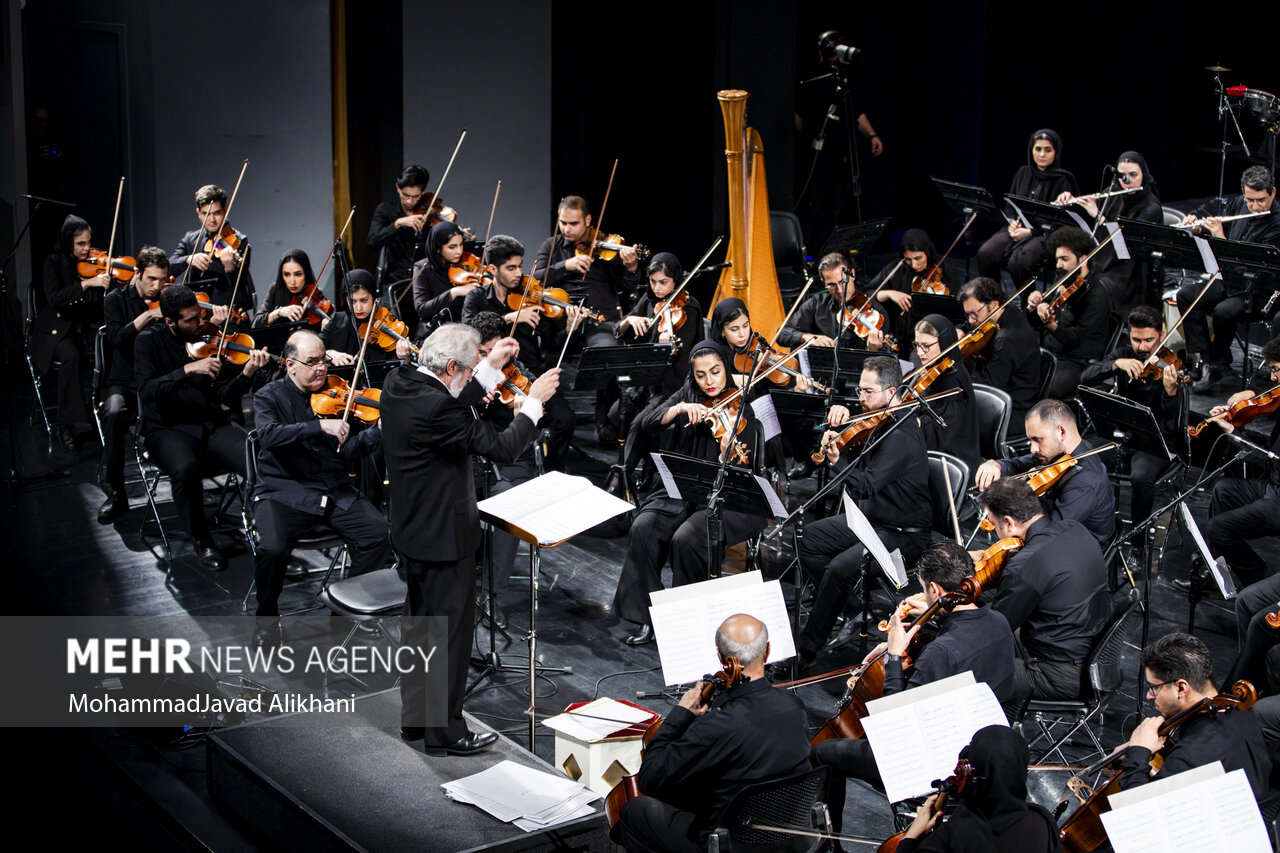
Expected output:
{"points": [[433, 292], [934, 334], [641, 326], [667, 526], [1016, 248], [917, 252]]}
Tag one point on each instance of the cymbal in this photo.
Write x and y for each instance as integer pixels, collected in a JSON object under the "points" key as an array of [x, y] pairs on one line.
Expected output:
{"points": [[1217, 69]]}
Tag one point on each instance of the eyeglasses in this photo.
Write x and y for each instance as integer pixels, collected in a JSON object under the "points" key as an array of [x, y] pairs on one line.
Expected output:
{"points": [[409, 196], [1153, 689], [867, 392], [978, 314], [310, 365], [922, 346]]}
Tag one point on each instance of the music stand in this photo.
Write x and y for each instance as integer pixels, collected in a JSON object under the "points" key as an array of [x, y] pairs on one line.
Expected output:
{"points": [[640, 365], [1047, 216], [1130, 424], [924, 304], [1258, 266], [967, 200], [822, 362], [855, 240], [696, 478], [811, 408], [1165, 246], [274, 336]]}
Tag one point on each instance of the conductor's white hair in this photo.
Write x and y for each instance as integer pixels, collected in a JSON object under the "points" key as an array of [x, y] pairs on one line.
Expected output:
{"points": [[451, 342], [747, 653]]}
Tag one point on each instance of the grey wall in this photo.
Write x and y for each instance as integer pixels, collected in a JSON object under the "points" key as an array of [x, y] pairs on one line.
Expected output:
{"points": [[506, 112]]}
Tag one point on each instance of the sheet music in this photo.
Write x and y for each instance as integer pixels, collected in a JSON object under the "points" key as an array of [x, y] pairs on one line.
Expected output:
{"points": [[1079, 221], [775, 503], [597, 720], [531, 799], [685, 627], [1217, 566], [920, 741], [1022, 217], [767, 415], [668, 481], [1207, 256], [1214, 813], [1117, 240], [555, 506], [867, 535], [802, 363]]}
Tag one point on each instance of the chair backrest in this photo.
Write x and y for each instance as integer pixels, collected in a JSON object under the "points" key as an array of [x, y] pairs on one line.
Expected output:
{"points": [[782, 802], [1103, 663], [1048, 369], [788, 239], [1115, 325], [100, 363], [959, 474], [995, 408], [1172, 216], [250, 464]]}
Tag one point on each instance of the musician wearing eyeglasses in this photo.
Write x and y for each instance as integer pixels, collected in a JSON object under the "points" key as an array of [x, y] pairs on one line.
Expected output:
{"points": [[1179, 674], [1011, 360], [1225, 300], [820, 317], [399, 226], [213, 269]]}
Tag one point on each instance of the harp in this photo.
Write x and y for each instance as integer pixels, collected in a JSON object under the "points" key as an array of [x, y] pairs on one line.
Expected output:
{"points": [[753, 278]]}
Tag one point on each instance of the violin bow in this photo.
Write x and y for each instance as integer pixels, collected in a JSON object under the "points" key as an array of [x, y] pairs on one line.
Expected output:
{"points": [[697, 268], [794, 305], [204, 218], [954, 243], [435, 194], [226, 324], [111, 244], [1068, 276], [1027, 474], [493, 208], [306, 303], [226, 214], [1182, 315], [351, 389], [595, 238], [960, 338], [546, 274]]}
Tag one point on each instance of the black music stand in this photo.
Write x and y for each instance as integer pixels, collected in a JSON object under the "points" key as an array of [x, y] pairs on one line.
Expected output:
{"points": [[855, 240], [1046, 216], [273, 337], [640, 365], [808, 407], [924, 304], [1258, 267], [1163, 245], [822, 362], [967, 200], [696, 479]]}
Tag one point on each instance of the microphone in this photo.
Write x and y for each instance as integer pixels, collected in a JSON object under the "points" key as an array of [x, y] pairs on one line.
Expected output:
{"points": [[42, 200], [713, 267], [919, 398], [1238, 439]]}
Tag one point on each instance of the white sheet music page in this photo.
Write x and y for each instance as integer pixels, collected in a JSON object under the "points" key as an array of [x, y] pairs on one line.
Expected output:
{"points": [[767, 415], [918, 742], [555, 506], [867, 535], [668, 481], [1215, 813], [685, 625]]}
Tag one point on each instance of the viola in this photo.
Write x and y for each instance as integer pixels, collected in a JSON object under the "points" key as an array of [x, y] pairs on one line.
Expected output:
{"points": [[930, 281], [1067, 292], [226, 241], [1083, 831], [514, 386], [123, 267], [1041, 480], [233, 349], [1273, 619], [553, 299], [856, 432], [975, 343], [626, 789], [1243, 411], [1164, 357], [860, 314], [387, 331], [773, 366], [670, 316], [868, 677], [605, 247], [986, 568], [724, 411], [944, 788], [467, 270], [331, 401], [317, 309]]}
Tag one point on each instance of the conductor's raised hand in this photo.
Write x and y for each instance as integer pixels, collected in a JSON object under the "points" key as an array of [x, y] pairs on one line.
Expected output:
{"points": [[545, 385], [503, 351]]}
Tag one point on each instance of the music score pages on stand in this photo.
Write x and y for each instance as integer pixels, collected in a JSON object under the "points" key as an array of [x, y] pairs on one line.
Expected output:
{"points": [[916, 735], [1200, 809], [552, 508], [861, 527], [685, 620]]}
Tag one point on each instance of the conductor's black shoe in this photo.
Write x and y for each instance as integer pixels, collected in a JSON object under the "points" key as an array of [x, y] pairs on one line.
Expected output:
{"points": [[641, 637], [413, 732], [497, 615], [210, 558], [116, 505], [474, 742]]}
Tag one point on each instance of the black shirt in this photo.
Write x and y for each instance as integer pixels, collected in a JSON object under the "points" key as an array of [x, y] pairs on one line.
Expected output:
{"points": [[404, 245], [1149, 393], [1055, 589], [977, 641], [216, 282], [171, 398], [689, 333], [343, 334], [534, 343], [891, 487], [121, 307], [1083, 323], [299, 464], [1011, 362], [1082, 494], [1256, 229], [606, 285], [1234, 738], [817, 315], [753, 732]]}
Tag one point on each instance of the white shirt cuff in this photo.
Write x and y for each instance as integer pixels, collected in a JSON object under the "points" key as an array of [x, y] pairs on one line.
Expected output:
{"points": [[487, 375], [532, 409]]}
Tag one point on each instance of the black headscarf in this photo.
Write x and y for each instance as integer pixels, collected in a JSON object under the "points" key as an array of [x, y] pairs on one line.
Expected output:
{"points": [[918, 240], [690, 392], [1149, 186], [724, 312], [996, 799], [440, 234], [669, 262], [71, 226], [947, 336], [363, 278], [1056, 139], [1045, 185]]}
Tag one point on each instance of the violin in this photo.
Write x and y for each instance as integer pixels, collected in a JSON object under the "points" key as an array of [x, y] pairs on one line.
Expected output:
{"points": [[514, 386], [331, 401], [856, 432], [986, 569], [931, 375], [1067, 292], [860, 314], [975, 343], [440, 212], [233, 349], [123, 267], [237, 314], [1243, 411], [605, 247], [626, 789], [930, 281], [226, 241], [670, 317], [724, 411], [1164, 357], [944, 788], [467, 270], [553, 299], [1083, 831], [387, 330], [317, 309], [869, 675], [778, 372]]}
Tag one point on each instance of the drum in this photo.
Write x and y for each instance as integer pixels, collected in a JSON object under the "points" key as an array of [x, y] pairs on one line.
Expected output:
{"points": [[1264, 105]]}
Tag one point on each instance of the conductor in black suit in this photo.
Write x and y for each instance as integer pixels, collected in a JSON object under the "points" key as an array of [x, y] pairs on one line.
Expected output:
{"points": [[429, 436]]}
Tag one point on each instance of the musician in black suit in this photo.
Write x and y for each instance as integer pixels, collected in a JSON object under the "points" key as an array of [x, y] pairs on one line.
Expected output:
{"points": [[429, 437]]}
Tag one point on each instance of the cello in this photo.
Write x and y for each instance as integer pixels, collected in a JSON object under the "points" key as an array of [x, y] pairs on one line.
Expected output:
{"points": [[1083, 831], [627, 789]]}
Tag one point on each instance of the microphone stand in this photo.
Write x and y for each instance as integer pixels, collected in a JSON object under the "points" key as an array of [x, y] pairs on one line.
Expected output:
{"points": [[715, 529]]}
